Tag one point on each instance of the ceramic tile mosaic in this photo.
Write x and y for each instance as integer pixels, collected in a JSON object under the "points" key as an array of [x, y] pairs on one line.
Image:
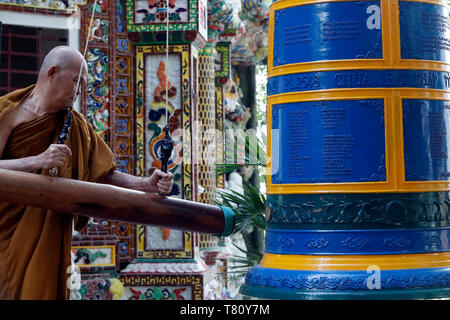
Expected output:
{"points": [[223, 62], [220, 138], [108, 105], [158, 293], [173, 286], [159, 104], [123, 95], [99, 287], [151, 16], [94, 253], [208, 140], [207, 134]]}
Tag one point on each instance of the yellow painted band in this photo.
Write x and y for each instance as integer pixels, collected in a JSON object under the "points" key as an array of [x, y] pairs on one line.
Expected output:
{"points": [[356, 262], [281, 4], [360, 64]]}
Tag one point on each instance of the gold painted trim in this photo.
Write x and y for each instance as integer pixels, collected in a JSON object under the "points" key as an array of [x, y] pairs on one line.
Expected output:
{"points": [[356, 262]]}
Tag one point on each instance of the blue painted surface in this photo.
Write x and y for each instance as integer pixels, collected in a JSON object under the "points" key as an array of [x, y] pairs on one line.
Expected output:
{"points": [[424, 31], [316, 142], [328, 31], [270, 283], [347, 280], [305, 294], [345, 242], [358, 79], [425, 127], [357, 211]]}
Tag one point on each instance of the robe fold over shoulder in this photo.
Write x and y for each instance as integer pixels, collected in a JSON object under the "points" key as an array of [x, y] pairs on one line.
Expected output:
{"points": [[35, 243]]}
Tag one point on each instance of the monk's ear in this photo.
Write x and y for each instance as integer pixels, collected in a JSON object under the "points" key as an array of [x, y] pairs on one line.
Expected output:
{"points": [[51, 72]]}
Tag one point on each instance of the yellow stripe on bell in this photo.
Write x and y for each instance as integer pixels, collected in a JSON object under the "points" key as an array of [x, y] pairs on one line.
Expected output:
{"points": [[356, 262]]}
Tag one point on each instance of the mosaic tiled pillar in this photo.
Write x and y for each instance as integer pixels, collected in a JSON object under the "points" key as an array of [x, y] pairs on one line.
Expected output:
{"points": [[123, 72], [220, 138], [123, 119], [222, 75], [153, 112], [168, 264], [358, 181], [207, 125], [109, 108], [97, 102], [207, 139], [96, 249]]}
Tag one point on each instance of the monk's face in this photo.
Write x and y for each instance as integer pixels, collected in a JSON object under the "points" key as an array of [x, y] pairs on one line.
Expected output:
{"points": [[64, 83]]}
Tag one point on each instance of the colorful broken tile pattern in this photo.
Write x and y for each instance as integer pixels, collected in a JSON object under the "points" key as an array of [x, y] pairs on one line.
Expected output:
{"points": [[151, 15], [157, 105]]}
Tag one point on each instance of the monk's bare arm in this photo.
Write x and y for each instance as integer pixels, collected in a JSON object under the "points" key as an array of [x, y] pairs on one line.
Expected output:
{"points": [[158, 182], [25, 164], [28, 164], [123, 180], [54, 156]]}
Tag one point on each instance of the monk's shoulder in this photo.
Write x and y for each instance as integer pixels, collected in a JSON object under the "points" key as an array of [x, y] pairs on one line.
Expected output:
{"points": [[10, 100], [7, 105], [11, 114], [11, 119]]}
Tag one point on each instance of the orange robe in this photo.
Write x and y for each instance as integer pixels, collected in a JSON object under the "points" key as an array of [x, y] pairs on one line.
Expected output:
{"points": [[35, 243]]}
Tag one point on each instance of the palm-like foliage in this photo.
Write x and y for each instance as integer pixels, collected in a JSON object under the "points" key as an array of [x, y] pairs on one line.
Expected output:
{"points": [[249, 206], [243, 263], [224, 168], [249, 209]]}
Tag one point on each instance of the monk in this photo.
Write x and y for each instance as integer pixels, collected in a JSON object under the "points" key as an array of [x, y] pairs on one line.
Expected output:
{"points": [[35, 243]]}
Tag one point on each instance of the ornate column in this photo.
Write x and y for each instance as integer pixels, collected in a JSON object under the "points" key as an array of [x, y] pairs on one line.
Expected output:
{"points": [[222, 75], [207, 134], [103, 245], [358, 181], [168, 263]]}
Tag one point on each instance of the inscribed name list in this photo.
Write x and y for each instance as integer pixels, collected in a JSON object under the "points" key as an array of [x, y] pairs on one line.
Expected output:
{"points": [[328, 142]]}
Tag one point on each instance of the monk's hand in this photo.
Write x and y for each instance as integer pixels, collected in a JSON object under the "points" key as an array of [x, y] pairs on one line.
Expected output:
{"points": [[160, 182], [54, 156]]}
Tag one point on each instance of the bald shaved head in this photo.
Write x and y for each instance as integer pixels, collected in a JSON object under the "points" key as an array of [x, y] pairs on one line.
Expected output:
{"points": [[59, 80], [62, 57]]}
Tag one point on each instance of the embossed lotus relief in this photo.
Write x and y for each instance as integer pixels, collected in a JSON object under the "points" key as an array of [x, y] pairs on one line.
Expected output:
{"points": [[355, 243], [317, 243]]}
